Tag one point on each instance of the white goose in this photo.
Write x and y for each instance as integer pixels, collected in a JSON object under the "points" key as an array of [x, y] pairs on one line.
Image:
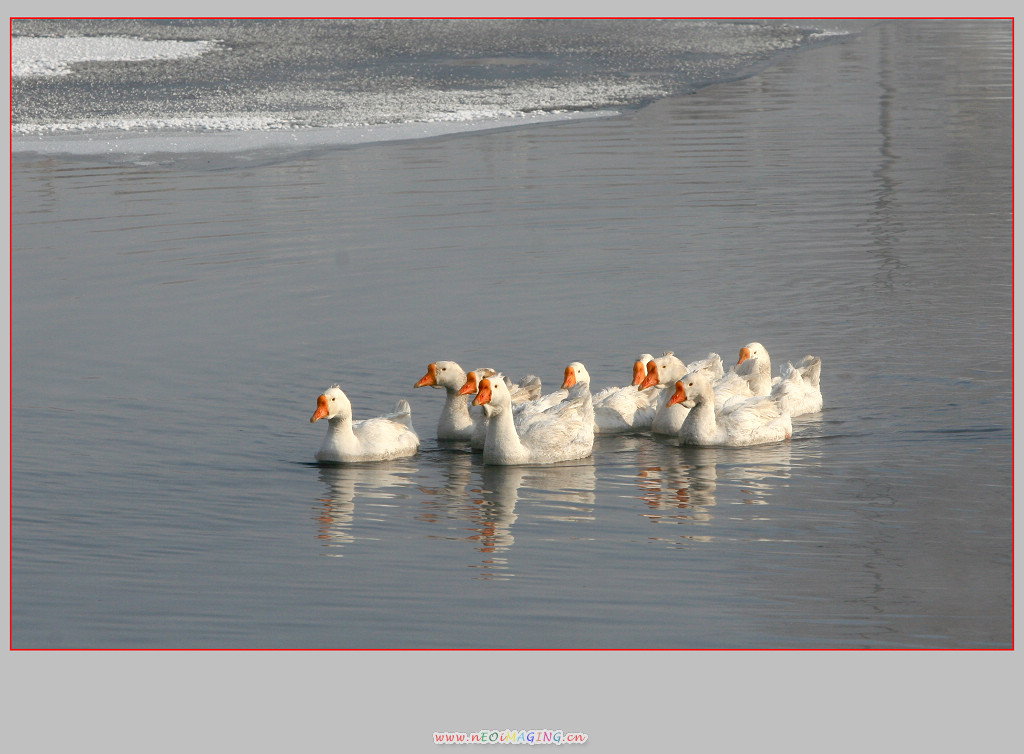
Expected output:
{"points": [[752, 422], [666, 370], [526, 400], [455, 422], [578, 399], [750, 376], [626, 409], [798, 391], [527, 390], [755, 366], [377, 439], [559, 434]]}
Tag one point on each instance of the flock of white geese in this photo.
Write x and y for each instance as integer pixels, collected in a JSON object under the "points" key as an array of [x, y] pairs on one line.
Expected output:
{"points": [[514, 423]]}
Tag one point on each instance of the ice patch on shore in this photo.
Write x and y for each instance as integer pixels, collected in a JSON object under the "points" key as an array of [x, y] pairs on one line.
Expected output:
{"points": [[145, 125], [53, 56], [183, 137], [414, 105], [228, 123]]}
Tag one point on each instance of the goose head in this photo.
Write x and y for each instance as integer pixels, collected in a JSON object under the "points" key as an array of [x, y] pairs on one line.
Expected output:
{"points": [[332, 404], [755, 350], [472, 379], [443, 374], [471, 385], [493, 392], [663, 371], [640, 368], [694, 388], [575, 374]]}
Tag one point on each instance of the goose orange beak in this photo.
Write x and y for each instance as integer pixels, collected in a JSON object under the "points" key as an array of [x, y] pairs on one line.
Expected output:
{"points": [[430, 378], [639, 372], [570, 378], [744, 355], [678, 396], [321, 409], [470, 386], [484, 394], [652, 376]]}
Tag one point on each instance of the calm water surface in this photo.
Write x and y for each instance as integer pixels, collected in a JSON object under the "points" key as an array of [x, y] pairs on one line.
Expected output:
{"points": [[174, 322]]}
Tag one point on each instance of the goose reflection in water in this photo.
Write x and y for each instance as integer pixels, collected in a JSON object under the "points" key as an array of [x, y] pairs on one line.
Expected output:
{"points": [[552, 492], [557, 492], [450, 499], [456, 506], [684, 485], [478, 503], [335, 512]]}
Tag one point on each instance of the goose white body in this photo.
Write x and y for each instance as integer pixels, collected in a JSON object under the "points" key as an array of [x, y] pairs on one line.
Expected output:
{"points": [[563, 432], [626, 409], [666, 370], [755, 366], [755, 421], [798, 390], [455, 421], [526, 395], [378, 439]]}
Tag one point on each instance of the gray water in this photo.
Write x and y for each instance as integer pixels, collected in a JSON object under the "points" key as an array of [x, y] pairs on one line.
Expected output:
{"points": [[175, 317]]}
